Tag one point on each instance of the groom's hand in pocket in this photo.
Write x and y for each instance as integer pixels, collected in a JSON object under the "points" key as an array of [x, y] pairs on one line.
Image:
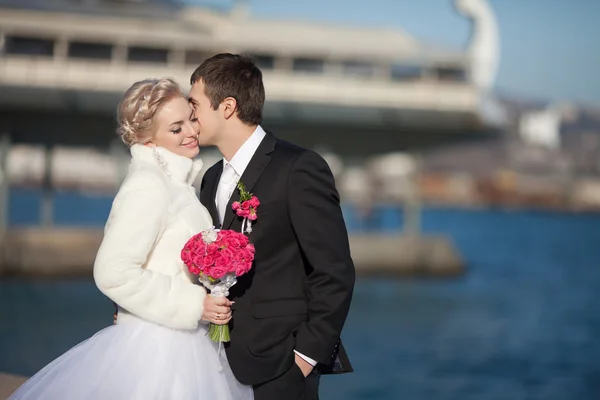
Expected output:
{"points": [[217, 310], [304, 366]]}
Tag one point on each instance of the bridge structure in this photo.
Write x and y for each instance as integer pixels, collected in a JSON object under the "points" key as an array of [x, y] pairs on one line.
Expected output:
{"points": [[64, 65]]}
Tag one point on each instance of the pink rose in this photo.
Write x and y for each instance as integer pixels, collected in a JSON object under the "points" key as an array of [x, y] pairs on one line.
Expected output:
{"points": [[185, 256], [218, 273], [254, 203], [194, 270], [198, 260], [248, 255], [252, 215], [246, 205], [221, 262], [243, 240], [234, 243], [197, 252], [227, 254], [207, 270], [208, 260], [212, 249], [236, 205], [247, 266], [240, 270]]}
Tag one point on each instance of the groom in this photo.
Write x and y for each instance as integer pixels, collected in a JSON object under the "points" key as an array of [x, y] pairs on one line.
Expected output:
{"points": [[289, 310]]}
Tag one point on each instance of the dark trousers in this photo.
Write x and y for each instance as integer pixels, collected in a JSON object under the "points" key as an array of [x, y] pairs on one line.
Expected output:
{"points": [[292, 385]]}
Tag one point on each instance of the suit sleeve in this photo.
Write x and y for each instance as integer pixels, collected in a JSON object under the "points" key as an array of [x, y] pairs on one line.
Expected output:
{"points": [[136, 221], [316, 216]]}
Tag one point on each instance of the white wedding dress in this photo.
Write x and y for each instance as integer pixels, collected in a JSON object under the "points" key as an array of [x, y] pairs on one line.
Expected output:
{"points": [[158, 349]]}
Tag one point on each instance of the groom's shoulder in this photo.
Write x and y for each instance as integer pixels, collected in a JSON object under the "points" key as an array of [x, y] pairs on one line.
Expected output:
{"points": [[296, 155], [289, 151]]}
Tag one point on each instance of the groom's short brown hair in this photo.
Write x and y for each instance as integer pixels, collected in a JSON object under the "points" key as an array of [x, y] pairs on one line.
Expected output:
{"points": [[233, 75]]}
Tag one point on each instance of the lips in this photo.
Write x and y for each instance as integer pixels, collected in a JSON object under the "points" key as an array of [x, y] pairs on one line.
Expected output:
{"points": [[191, 144]]}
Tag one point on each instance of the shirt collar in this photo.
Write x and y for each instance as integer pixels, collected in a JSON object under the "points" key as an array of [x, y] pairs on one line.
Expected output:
{"points": [[242, 157]]}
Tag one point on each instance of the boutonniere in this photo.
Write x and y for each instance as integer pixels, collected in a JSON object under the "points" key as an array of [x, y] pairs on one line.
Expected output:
{"points": [[246, 207]]}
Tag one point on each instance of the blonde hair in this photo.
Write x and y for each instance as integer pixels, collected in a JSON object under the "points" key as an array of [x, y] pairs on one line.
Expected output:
{"points": [[140, 104]]}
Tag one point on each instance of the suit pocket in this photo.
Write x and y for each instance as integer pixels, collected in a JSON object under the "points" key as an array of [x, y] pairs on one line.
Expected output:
{"points": [[272, 332], [279, 308]]}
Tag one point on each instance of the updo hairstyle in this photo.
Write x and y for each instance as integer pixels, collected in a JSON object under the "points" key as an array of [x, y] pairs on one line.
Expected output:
{"points": [[140, 104]]}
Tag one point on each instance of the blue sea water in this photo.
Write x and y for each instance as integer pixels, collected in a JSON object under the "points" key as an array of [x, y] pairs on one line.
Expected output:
{"points": [[522, 323]]}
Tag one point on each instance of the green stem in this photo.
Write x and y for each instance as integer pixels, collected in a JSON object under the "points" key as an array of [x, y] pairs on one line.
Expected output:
{"points": [[219, 333]]}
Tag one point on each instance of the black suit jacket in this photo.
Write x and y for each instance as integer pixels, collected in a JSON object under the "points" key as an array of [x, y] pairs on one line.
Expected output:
{"points": [[298, 293]]}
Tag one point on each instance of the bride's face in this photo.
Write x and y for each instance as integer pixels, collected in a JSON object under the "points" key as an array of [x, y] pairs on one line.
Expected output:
{"points": [[176, 128]]}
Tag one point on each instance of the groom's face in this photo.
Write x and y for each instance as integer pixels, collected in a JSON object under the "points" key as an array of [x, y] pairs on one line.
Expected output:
{"points": [[210, 120]]}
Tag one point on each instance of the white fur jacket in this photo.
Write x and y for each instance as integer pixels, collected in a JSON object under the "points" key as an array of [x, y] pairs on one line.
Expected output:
{"points": [[138, 264]]}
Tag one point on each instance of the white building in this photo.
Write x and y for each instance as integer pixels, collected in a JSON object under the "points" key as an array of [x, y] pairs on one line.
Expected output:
{"points": [[355, 90]]}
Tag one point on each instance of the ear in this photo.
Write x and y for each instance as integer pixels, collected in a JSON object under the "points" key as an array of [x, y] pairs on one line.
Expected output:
{"points": [[229, 107]]}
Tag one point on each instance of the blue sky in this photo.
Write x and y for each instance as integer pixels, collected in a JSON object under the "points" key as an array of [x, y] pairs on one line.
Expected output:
{"points": [[550, 48]]}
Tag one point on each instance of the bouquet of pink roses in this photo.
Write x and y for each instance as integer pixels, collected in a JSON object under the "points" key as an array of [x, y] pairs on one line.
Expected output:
{"points": [[217, 257]]}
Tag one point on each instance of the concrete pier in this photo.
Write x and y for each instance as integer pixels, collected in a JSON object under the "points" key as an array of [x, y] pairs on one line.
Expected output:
{"points": [[60, 252], [49, 252], [388, 255]]}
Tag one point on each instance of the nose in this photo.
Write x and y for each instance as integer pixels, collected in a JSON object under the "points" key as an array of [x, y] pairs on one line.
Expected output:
{"points": [[193, 129]]}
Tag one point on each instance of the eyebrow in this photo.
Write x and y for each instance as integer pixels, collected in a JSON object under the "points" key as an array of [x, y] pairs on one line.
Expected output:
{"points": [[176, 123]]}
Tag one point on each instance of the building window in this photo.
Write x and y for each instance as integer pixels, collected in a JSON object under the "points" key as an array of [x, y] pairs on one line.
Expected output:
{"points": [[29, 46], [311, 65], [358, 68], [148, 55], [451, 73], [95, 51], [406, 72], [264, 61], [195, 57]]}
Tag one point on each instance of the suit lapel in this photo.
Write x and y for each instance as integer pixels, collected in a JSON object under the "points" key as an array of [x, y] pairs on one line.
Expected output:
{"points": [[212, 188], [254, 170]]}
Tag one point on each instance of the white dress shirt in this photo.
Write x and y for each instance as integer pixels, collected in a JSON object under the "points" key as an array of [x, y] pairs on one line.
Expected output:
{"points": [[232, 171]]}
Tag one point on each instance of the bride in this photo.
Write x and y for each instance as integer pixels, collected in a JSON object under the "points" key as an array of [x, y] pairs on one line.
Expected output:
{"points": [[159, 348]]}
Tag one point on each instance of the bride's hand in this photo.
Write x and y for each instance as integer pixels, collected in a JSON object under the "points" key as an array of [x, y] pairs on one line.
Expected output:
{"points": [[217, 310]]}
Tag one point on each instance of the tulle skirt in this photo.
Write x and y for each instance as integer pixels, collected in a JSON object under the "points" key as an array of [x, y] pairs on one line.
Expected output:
{"points": [[138, 360]]}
